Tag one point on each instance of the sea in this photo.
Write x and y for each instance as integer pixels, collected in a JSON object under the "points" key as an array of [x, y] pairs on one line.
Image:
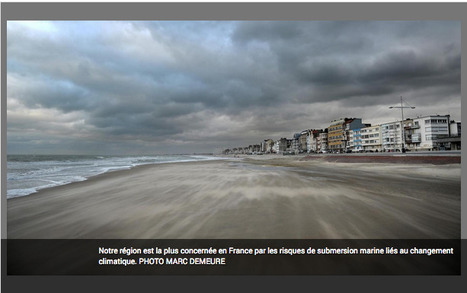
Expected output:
{"points": [[27, 174]]}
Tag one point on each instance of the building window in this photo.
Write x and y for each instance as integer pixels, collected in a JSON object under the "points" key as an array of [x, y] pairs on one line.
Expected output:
{"points": [[442, 128]]}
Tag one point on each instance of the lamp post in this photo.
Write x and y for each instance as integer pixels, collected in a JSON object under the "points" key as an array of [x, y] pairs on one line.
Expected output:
{"points": [[402, 122]]}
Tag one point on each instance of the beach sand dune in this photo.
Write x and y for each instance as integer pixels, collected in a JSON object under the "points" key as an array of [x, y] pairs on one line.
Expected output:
{"points": [[248, 199]]}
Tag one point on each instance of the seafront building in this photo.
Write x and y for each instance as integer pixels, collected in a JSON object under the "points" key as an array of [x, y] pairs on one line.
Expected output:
{"points": [[304, 138], [266, 146], [423, 133], [313, 141], [371, 138], [391, 136], [338, 133], [431, 128], [453, 142], [323, 141], [411, 138], [355, 140], [367, 139], [295, 145], [455, 128], [316, 141], [282, 145], [275, 147]]}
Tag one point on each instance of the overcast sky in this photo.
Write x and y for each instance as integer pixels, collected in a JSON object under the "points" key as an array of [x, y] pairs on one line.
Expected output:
{"points": [[82, 87]]}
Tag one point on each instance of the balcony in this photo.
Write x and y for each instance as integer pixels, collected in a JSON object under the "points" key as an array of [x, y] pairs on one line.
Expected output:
{"points": [[416, 138], [412, 127]]}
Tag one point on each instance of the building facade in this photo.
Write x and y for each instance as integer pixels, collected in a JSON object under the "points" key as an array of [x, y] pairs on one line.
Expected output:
{"points": [[430, 129], [371, 139], [339, 132], [355, 140], [336, 135], [411, 138], [266, 146], [431, 132], [304, 141], [323, 141], [391, 136]]}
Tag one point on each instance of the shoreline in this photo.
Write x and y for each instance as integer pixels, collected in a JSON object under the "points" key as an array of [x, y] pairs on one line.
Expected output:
{"points": [[257, 198], [102, 175], [331, 158]]}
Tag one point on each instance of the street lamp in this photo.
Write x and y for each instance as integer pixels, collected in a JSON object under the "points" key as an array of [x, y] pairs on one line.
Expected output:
{"points": [[402, 122]]}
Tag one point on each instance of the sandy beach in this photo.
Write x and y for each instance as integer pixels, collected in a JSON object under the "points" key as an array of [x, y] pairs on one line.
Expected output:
{"points": [[251, 198]]}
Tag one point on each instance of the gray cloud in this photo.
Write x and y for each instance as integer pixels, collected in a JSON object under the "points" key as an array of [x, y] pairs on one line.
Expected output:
{"points": [[192, 85]]}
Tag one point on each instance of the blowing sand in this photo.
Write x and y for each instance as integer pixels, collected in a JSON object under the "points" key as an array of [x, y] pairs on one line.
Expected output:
{"points": [[280, 198]]}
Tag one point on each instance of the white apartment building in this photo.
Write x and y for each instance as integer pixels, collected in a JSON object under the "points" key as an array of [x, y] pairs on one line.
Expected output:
{"points": [[371, 138], [429, 129], [391, 136], [455, 128], [275, 146], [312, 141], [323, 142]]}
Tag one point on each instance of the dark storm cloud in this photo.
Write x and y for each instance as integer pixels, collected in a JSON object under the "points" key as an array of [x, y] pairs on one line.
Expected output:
{"points": [[393, 73], [211, 82], [340, 60]]}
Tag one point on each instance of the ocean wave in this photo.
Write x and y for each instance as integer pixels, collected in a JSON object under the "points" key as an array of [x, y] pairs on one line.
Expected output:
{"points": [[26, 174]]}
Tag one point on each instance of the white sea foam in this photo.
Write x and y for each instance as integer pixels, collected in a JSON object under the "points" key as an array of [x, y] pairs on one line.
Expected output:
{"points": [[26, 174]]}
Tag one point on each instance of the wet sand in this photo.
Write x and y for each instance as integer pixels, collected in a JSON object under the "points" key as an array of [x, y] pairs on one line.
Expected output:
{"points": [[260, 198]]}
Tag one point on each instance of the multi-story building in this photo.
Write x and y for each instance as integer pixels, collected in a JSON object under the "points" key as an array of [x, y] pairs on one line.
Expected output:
{"points": [[311, 141], [432, 132], [315, 140], [411, 138], [430, 129], [371, 138], [254, 148], [355, 140], [282, 145], [338, 133], [266, 146], [391, 136], [289, 144], [455, 128], [323, 141], [453, 142], [275, 147], [303, 140], [295, 144]]}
